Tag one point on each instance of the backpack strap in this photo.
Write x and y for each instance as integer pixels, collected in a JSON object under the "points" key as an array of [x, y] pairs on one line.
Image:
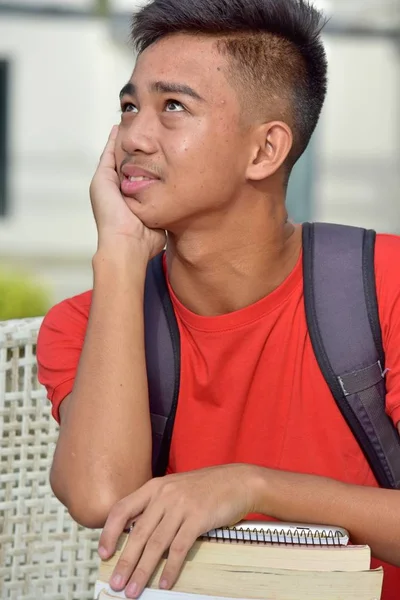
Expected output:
{"points": [[343, 323], [162, 344]]}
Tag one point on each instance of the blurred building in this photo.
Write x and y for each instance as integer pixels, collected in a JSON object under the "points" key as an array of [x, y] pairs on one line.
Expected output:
{"points": [[62, 63]]}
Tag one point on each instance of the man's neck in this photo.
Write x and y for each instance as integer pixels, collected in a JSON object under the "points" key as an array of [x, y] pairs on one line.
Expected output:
{"points": [[227, 270]]}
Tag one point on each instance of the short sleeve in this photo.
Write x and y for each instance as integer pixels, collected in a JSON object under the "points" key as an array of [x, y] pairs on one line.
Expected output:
{"points": [[59, 347], [387, 270]]}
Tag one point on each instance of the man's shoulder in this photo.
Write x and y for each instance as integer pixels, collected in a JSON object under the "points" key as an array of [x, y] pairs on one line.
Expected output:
{"points": [[59, 345], [69, 314], [79, 304], [387, 255], [387, 277], [387, 242]]}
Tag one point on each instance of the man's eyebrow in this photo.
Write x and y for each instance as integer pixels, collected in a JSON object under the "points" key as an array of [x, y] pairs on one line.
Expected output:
{"points": [[163, 87], [129, 89]]}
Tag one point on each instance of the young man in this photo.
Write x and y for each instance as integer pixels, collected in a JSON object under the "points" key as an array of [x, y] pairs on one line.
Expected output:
{"points": [[222, 102]]}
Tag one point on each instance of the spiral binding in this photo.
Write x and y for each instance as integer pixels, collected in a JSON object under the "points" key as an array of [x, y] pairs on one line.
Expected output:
{"points": [[275, 536]]}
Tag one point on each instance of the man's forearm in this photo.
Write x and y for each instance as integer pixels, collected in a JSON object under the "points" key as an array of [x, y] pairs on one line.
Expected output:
{"points": [[104, 448], [371, 515]]}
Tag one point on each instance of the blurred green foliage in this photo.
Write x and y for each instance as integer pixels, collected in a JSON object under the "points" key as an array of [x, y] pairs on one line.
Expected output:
{"points": [[102, 8], [21, 296]]}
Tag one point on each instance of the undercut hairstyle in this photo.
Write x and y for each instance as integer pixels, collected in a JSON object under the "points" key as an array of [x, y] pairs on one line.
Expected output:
{"points": [[274, 50]]}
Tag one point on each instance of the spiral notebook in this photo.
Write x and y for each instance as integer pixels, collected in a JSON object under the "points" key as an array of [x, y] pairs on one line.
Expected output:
{"points": [[262, 532]]}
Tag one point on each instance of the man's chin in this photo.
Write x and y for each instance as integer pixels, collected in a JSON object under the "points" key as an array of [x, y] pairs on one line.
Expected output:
{"points": [[131, 200], [152, 217], [145, 213]]}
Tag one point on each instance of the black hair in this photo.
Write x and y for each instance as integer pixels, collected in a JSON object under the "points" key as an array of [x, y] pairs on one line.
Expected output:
{"points": [[276, 46]]}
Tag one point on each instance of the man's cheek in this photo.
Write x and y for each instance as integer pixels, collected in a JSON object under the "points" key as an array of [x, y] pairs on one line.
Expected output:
{"points": [[119, 155]]}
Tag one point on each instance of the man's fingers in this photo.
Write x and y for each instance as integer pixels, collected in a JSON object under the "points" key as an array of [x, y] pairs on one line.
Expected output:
{"points": [[184, 540], [140, 535], [107, 159], [123, 512], [160, 540]]}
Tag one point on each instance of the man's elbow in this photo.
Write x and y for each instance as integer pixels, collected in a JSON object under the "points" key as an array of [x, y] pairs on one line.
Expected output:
{"points": [[93, 517], [90, 506]]}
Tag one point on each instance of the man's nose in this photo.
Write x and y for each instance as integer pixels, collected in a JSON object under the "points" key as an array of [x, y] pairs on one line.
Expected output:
{"points": [[139, 136]]}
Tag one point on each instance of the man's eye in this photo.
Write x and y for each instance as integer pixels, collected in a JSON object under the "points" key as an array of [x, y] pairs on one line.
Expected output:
{"points": [[174, 106], [128, 107]]}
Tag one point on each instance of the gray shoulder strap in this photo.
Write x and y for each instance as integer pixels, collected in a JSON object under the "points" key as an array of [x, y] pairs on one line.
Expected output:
{"points": [[343, 324], [162, 343]]}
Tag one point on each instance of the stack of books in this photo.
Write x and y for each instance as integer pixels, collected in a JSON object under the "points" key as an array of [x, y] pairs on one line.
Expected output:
{"points": [[273, 561]]}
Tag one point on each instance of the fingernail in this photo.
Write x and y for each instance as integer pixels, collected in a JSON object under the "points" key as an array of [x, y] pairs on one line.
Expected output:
{"points": [[164, 584], [117, 580], [132, 589], [103, 552]]}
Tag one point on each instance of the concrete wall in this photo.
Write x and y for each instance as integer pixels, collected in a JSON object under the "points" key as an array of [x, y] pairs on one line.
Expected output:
{"points": [[358, 178], [65, 78]]}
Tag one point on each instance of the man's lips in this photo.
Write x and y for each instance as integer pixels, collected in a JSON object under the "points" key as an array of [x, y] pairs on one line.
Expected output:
{"points": [[132, 171], [136, 179]]}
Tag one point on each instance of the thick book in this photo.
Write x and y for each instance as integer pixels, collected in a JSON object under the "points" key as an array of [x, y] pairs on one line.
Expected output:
{"points": [[224, 581], [259, 560]]}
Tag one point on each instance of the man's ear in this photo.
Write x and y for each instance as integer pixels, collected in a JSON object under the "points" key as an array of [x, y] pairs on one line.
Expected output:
{"points": [[272, 144]]}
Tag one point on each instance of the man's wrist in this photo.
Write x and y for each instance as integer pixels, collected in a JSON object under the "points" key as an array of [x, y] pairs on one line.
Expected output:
{"points": [[256, 481], [272, 491], [128, 257], [288, 496]]}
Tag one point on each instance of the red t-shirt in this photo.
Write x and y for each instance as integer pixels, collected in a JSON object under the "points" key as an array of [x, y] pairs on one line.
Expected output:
{"points": [[251, 390]]}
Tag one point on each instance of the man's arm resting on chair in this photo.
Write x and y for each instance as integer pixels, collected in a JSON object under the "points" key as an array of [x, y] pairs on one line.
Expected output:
{"points": [[104, 447]]}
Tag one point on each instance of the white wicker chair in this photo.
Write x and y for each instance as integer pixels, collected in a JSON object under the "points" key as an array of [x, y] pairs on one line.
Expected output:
{"points": [[43, 553]]}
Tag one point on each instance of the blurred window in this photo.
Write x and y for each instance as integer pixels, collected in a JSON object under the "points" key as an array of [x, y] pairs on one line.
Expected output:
{"points": [[4, 73]]}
